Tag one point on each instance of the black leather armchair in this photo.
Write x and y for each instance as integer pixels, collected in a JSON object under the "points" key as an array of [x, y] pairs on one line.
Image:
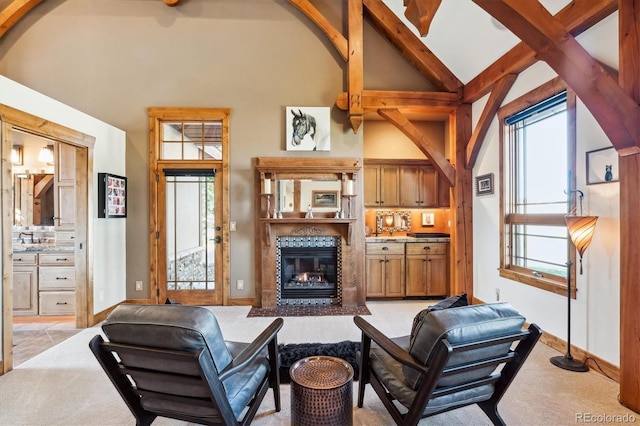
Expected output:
{"points": [[171, 361], [452, 361]]}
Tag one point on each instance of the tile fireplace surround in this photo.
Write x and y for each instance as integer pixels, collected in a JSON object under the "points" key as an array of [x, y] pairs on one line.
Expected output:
{"points": [[349, 230]]}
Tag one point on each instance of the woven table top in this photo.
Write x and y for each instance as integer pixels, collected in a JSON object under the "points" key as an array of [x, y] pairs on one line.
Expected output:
{"points": [[321, 372]]}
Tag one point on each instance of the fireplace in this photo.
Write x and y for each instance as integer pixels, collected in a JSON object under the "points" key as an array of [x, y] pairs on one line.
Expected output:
{"points": [[308, 270]]}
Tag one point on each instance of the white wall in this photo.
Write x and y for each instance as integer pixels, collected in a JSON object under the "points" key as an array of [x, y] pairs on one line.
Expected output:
{"points": [[595, 312], [107, 236]]}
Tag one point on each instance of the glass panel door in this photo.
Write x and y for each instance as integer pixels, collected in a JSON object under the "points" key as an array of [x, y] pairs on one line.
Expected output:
{"points": [[191, 236]]}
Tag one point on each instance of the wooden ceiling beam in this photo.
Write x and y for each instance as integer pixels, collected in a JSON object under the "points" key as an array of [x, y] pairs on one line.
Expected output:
{"points": [[335, 36], [355, 66], [403, 124], [616, 112], [410, 46], [373, 100], [498, 94], [421, 12], [577, 17], [14, 12]]}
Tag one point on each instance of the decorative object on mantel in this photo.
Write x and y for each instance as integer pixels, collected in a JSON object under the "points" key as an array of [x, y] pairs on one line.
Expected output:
{"points": [[581, 228], [309, 214], [602, 166], [308, 128]]}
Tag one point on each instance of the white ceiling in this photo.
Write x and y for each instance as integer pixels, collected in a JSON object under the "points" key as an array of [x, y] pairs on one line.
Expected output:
{"points": [[466, 38]]}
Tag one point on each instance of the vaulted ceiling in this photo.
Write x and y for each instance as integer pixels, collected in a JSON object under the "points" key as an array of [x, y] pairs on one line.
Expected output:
{"points": [[466, 49]]}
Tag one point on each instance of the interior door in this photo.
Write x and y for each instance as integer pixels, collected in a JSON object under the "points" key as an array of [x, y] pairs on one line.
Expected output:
{"points": [[189, 234]]}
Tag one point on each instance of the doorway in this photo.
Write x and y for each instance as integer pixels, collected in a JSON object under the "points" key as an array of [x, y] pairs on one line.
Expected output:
{"points": [[189, 201]]}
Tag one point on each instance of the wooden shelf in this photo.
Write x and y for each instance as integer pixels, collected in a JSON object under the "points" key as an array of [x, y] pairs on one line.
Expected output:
{"points": [[298, 220]]}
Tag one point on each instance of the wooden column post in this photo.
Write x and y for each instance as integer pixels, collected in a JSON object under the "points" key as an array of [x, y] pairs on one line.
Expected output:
{"points": [[462, 199], [629, 19]]}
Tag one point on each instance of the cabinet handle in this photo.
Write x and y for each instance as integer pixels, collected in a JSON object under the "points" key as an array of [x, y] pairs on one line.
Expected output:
{"points": [[61, 259], [426, 248], [18, 259], [61, 303], [385, 248], [61, 278]]}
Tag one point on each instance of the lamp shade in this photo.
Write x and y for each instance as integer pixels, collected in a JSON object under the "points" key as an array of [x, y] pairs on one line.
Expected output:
{"points": [[581, 229]]}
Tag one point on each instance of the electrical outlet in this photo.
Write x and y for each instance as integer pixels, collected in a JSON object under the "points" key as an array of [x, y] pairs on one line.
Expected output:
{"points": [[240, 284], [497, 294], [138, 285], [232, 226]]}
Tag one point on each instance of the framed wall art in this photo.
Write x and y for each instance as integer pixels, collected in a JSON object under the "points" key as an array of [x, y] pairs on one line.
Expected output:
{"points": [[112, 195], [308, 128], [602, 166], [324, 198], [484, 184]]}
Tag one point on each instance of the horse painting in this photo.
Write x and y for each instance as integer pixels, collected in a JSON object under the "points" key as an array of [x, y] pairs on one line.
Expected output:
{"points": [[307, 131], [303, 124]]}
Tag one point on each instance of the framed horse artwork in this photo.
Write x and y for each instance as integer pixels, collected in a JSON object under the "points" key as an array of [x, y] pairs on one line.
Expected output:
{"points": [[308, 128]]}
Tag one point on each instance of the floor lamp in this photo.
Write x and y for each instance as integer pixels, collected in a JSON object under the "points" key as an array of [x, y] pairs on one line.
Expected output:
{"points": [[580, 230]]}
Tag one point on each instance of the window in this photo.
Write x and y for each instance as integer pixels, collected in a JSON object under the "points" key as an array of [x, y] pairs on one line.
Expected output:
{"points": [[538, 158]]}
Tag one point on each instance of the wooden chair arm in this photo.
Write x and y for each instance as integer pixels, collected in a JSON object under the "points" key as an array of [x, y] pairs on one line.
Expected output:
{"points": [[250, 352], [388, 345]]}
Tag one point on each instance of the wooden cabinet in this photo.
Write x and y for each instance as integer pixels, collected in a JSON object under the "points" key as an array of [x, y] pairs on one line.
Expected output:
{"points": [[381, 185], [65, 187], [385, 269], [419, 186], [57, 283], [25, 284], [427, 269]]}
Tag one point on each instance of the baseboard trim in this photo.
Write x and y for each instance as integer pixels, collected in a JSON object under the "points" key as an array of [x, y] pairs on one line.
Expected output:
{"points": [[594, 362]]}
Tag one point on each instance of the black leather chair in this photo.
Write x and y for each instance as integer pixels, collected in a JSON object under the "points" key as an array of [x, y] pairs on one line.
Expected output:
{"points": [[452, 360], [171, 361]]}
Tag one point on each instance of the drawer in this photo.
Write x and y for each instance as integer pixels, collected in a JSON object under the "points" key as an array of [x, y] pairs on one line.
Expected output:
{"points": [[427, 248], [62, 259], [24, 258], [385, 248], [57, 302], [57, 278]]}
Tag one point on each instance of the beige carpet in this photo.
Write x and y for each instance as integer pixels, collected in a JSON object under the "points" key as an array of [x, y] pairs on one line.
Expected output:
{"points": [[65, 385]]}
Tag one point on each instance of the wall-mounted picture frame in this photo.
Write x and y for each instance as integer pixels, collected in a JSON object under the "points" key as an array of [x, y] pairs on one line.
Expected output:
{"points": [[484, 184], [308, 128], [602, 166], [112, 196], [324, 198], [428, 219]]}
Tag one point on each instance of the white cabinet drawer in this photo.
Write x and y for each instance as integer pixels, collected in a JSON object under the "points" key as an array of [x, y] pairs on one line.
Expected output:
{"points": [[62, 259], [57, 302], [24, 258], [57, 278]]}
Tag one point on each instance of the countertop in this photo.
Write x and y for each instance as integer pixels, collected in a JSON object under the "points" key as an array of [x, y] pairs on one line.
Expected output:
{"points": [[406, 239], [41, 248]]}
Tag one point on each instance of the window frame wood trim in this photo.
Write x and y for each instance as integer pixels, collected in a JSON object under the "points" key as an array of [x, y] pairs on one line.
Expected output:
{"points": [[506, 270]]}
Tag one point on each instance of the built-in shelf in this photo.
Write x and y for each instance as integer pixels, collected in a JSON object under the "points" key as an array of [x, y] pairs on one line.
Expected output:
{"points": [[304, 221]]}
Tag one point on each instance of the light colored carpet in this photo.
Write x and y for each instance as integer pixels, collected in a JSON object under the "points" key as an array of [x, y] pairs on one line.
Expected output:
{"points": [[65, 385]]}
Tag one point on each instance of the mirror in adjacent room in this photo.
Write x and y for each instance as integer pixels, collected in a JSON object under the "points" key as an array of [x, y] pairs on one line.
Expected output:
{"points": [[393, 221], [296, 195], [33, 178]]}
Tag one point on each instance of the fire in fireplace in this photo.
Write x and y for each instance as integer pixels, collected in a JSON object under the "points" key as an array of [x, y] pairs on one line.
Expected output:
{"points": [[308, 270]]}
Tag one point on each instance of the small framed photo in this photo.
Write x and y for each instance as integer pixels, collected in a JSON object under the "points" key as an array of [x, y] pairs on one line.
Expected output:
{"points": [[112, 195], [602, 166], [308, 128], [484, 184], [324, 198]]}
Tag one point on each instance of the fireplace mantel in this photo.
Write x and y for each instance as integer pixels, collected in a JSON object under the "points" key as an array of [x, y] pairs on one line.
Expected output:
{"points": [[350, 229], [303, 221]]}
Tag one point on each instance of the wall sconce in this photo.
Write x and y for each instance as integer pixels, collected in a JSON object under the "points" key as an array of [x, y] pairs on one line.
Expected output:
{"points": [[46, 154], [16, 155]]}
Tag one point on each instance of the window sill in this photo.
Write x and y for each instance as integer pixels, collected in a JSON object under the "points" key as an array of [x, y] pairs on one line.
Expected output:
{"points": [[538, 282]]}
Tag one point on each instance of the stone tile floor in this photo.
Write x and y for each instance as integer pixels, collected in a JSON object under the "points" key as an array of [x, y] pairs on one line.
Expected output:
{"points": [[33, 335]]}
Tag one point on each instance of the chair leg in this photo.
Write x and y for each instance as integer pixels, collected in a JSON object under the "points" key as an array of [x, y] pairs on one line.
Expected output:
{"points": [[491, 410]]}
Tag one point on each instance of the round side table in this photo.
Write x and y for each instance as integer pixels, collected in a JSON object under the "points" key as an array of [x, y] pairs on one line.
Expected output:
{"points": [[321, 391]]}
